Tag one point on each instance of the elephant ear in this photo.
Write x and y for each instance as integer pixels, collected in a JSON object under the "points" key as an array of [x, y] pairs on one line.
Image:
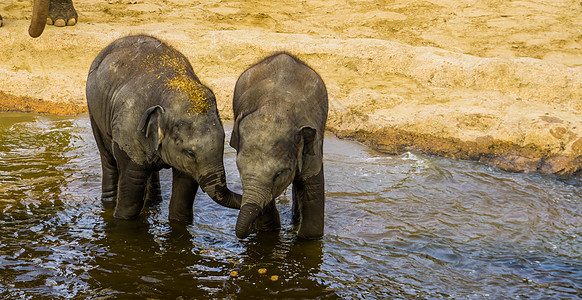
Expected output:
{"points": [[234, 138], [149, 124], [306, 159]]}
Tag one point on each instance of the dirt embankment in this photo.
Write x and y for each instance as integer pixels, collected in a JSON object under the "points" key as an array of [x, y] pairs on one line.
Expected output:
{"points": [[494, 81]]}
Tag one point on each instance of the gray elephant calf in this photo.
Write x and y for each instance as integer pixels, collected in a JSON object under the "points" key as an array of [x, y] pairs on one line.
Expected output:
{"points": [[281, 108], [149, 111]]}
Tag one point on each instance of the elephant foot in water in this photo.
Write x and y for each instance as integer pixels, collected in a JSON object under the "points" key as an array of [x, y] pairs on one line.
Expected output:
{"points": [[62, 13], [268, 219]]}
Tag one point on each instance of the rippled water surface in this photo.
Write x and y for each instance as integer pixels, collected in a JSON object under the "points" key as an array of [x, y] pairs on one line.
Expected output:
{"points": [[396, 227]]}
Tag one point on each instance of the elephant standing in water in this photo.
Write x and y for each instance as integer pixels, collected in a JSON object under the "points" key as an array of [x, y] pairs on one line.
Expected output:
{"points": [[149, 111], [280, 107], [53, 12]]}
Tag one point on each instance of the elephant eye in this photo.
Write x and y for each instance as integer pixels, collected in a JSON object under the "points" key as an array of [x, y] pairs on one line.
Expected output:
{"points": [[189, 153], [280, 173]]}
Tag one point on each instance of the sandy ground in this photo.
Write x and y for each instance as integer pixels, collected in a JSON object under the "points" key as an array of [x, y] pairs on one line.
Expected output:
{"points": [[495, 81]]}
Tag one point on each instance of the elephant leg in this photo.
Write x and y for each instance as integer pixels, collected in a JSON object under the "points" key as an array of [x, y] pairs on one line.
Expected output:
{"points": [[132, 186], [154, 190], [268, 219], [295, 216], [62, 13], [184, 189], [309, 201], [110, 175]]}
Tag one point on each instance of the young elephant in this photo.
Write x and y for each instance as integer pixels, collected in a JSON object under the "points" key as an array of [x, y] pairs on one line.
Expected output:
{"points": [[280, 106], [149, 111]]}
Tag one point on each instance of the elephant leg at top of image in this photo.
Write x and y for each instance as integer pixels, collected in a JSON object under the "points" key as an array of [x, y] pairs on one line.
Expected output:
{"points": [[53, 12], [62, 13]]}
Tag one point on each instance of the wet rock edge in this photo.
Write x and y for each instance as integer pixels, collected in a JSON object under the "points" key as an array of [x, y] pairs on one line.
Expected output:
{"points": [[488, 150], [27, 104]]}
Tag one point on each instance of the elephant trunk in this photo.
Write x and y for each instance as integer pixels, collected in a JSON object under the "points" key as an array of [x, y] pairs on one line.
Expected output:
{"points": [[40, 10], [214, 184], [253, 202]]}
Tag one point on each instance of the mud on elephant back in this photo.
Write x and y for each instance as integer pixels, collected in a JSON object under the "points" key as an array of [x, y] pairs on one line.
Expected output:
{"points": [[280, 107], [53, 12], [149, 111]]}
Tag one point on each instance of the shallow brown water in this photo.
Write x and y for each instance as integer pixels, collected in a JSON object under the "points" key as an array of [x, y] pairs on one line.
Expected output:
{"points": [[396, 227]]}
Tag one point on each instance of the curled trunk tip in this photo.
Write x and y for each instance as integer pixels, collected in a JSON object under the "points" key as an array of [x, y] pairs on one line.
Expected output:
{"points": [[214, 184], [247, 215]]}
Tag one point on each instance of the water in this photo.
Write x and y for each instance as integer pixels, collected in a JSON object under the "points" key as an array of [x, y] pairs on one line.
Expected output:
{"points": [[407, 226]]}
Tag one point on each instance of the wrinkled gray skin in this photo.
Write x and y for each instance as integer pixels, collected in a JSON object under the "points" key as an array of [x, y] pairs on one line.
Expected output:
{"points": [[281, 108], [146, 114]]}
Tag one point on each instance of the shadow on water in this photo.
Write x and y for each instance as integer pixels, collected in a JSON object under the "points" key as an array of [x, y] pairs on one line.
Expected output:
{"points": [[397, 227], [289, 264], [144, 259]]}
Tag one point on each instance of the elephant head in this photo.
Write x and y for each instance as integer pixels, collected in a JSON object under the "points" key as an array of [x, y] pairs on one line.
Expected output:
{"points": [[40, 10], [271, 151], [192, 143]]}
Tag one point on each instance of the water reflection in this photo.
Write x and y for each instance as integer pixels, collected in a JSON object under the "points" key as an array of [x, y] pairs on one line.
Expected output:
{"points": [[291, 267], [36, 171], [397, 227]]}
